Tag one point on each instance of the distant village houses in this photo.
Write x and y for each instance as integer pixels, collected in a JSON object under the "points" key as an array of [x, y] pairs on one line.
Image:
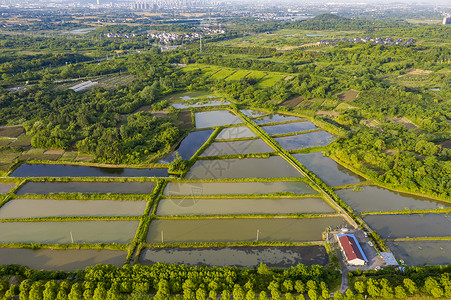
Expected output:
{"points": [[378, 41], [170, 37]]}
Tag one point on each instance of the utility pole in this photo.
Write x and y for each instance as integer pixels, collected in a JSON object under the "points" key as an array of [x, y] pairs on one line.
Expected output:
{"points": [[258, 231], [162, 237], [71, 237]]}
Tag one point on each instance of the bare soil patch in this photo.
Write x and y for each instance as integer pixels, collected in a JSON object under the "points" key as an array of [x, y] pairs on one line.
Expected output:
{"points": [[348, 95], [311, 101], [418, 72], [371, 123], [329, 113], [186, 123], [83, 157], [5, 142], [406, 122], [293, 101], [11, 131], [22, 141], [159, 114], [142, 108], [445, 144], [391, 152], [34, 151], [55, 151], [4, 166], [68, 156]]}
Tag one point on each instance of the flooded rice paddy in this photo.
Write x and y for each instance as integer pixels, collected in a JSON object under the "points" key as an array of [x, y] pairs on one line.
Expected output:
{"points": [[216, 118], [306, 140], [44, 188], [6, 187], [249, 257], [420, 253], [410, 225], [230, 188], [276, 118], [272, 167], [374, 198], [327, 169], [60, 232], [236, 133], [39, 208], [198, 206], [238, 230], [253, 113], [61, 260], [50, 170], [200, 104], [289, 128], [190, 144], [237, 147]]}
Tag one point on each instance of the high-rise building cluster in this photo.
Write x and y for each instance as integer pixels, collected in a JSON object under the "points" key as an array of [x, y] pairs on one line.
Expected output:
{"points": [[153, 4]]}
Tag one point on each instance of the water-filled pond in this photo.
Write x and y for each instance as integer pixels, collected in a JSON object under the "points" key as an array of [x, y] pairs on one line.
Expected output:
{"points": [[39, 208], [193, 141], [61, 260], [44, 188], [374, 198], [200, 104], [60, 232], [235, 133], [216, 118], [327, 169], [272, 167], [275, 118], [6, 187], [49, 170], [230, 188], [410, 225], [306, 140], [251, 113], [249, 257], [289, 127], [237, 147], [420, 253], [197, 206], [237, 230]]}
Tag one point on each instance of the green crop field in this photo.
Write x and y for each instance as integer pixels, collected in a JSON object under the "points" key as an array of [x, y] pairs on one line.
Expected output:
{"points": [[269, 80], [263, 79], [238, 75], [222, 74]]}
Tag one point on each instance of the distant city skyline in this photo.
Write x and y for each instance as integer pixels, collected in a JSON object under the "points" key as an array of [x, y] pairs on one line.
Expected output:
{"points": [[330, 2]]}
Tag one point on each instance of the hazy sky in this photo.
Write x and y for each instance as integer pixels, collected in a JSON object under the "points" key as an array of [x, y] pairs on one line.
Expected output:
{"points": [[429, 2]]}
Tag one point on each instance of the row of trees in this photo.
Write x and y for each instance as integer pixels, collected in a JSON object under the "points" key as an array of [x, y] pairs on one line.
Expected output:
{"points": [[413, 281], [162, 281]]}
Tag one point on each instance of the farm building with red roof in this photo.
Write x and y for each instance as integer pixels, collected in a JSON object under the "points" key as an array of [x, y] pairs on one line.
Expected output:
{"points": [[351, 249]]}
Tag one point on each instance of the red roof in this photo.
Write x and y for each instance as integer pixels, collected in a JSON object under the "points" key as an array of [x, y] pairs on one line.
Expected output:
{"points": [[350, 248]]}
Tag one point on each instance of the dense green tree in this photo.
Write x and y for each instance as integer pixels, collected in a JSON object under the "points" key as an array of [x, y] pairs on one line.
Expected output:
{"points": [[76, 292]]}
